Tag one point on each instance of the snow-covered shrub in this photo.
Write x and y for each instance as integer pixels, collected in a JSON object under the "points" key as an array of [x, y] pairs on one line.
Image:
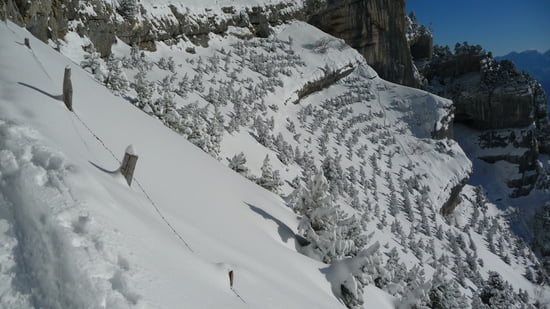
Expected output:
{"points": [[541, 232], [332, 234], [144, 90], [94, 64], [238, 164], [116, 78], [269, 179], [128, 8]]}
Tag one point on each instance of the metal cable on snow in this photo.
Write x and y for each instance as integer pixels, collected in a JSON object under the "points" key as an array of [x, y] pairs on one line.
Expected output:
{"points": [[239, 296], [157, 209], [142, 189], [178, 235]]}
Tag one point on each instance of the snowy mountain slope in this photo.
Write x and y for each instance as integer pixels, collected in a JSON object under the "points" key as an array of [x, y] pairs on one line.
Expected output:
{"points": [[372, 140], [389, 107], [125, 254], [252, 84]]}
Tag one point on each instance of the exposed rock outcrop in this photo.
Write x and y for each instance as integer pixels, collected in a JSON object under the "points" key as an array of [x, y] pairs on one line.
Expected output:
{"points": [[488, 94], [45, 19], [376, 28], [516, 146], [51, 20], [454, 198], [102, 23], [507, 105], [419, 38]]}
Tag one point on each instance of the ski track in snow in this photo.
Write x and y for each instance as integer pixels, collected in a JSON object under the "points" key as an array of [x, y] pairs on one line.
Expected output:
{"points": [[48, 243]]}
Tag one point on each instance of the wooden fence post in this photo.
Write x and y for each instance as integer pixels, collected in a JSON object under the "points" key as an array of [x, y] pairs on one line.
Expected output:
{"points": [[129, 164], [231, 279], [68, 89], [5, 15], [27, 43]]}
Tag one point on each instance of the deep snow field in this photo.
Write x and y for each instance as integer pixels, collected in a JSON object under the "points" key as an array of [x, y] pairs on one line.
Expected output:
{"points": [[73, 234], [77, 236]]}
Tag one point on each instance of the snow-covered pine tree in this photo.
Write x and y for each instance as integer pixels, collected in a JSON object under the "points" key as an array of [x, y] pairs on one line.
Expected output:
{"points": [[214, 130], [128, 8], [263, 135], [183, 86], [92, 63], [541, 232], [116, 78], [269, 179], [144, 89], [165, 103], [331, 233], [238, 164], [496, 293]]}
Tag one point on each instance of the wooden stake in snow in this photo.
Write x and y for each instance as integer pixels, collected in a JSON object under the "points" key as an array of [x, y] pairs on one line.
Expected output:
{"points": [[5, 15], [231, 279], [27, 43], [129, 164], [68, 89]]}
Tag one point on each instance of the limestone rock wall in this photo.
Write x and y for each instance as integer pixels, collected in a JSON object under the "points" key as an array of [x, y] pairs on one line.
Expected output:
{"points": [[102, 24], [50, 19], [419, 38], [376, 28], [507, 106], [489, 94]]}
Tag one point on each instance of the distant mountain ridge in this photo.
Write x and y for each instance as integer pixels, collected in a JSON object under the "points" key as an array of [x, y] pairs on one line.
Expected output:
{"points": [[533, 62]]}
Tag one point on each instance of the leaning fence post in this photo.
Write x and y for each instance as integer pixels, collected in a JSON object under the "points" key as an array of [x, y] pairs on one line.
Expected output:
{"points": [[68, 89], [231, 279], [27, 43], [5, 15], [129, 164]]}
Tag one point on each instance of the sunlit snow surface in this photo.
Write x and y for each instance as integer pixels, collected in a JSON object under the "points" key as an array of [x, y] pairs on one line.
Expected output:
{"points": [[78, 236]]}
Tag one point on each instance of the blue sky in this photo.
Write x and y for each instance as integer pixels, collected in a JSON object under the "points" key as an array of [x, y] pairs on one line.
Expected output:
{"points": [[500, 26]]}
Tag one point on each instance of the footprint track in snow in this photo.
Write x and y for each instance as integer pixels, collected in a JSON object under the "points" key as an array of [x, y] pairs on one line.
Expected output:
{"points": [[52, 253]]}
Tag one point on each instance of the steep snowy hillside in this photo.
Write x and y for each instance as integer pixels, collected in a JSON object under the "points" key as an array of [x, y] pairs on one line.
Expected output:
{"points": [[75, 235], [372, 210]]}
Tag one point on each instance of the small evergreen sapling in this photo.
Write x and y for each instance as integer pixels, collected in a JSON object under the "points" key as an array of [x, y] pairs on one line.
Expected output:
{"points": [[269, 179], [92, 63], [331, 233], [238, 164], [128, 8], [116, 78]]}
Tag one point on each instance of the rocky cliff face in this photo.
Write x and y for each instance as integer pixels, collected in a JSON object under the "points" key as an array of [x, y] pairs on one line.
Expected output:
{"points": [[494, 97], [489, 94], [51, 20], [419, 38], [376, 28], [102, 22]]}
